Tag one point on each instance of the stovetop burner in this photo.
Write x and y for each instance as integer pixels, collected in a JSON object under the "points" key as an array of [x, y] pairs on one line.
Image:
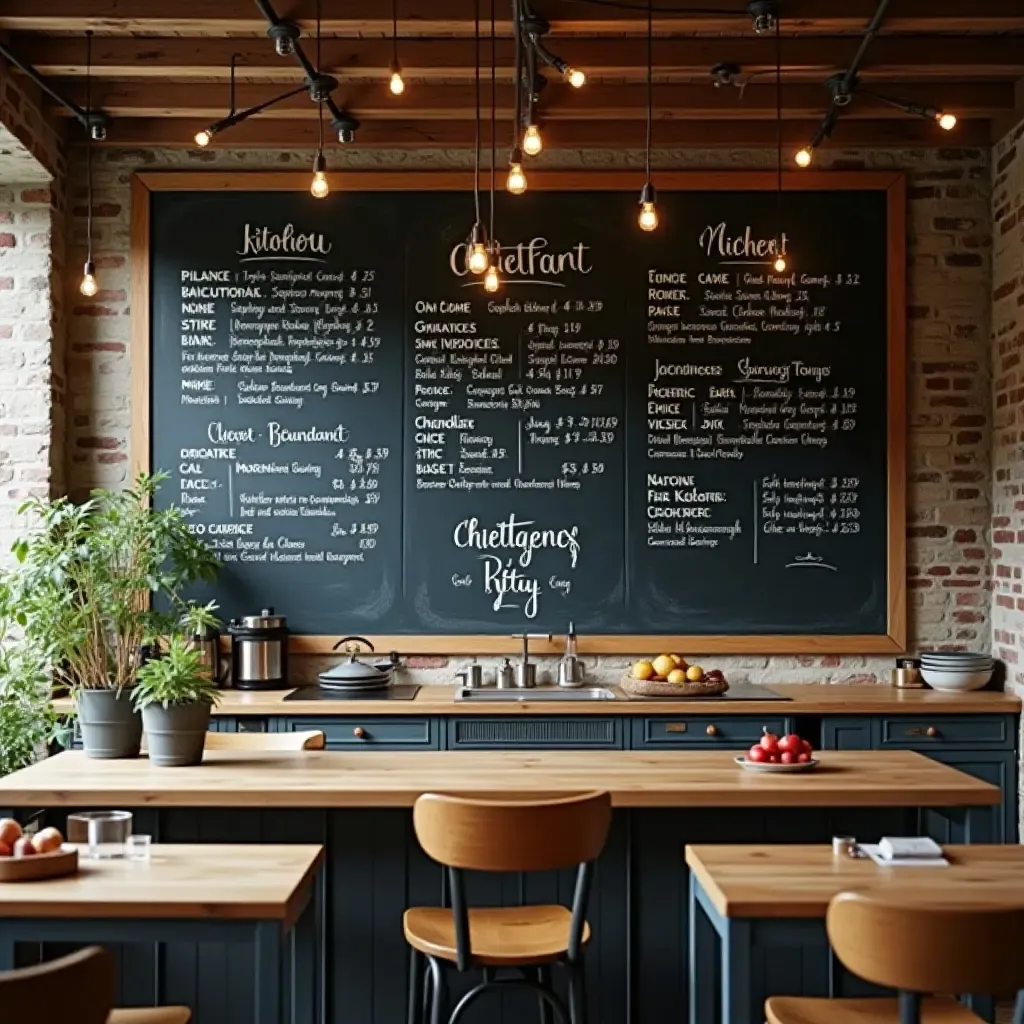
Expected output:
{"points": [[400, 691]]}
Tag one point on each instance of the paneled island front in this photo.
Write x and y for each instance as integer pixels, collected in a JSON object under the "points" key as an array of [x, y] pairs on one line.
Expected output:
{"points": [[358, 806]]}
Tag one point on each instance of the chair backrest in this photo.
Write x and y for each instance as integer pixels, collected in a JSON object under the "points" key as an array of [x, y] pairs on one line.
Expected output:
{"points": [[937, 944], [79, 987], [512, 835], [265, 741]]}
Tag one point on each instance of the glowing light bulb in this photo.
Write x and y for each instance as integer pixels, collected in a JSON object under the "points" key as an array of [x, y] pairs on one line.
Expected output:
{"points": [[780, 264], [532, 142], [202, 137], [397, 83], [576, 78], [947, 121], [648, 216], [478, 261], [319, 188], [89, 287], [803, 157], [491, 279], [516, 182]]}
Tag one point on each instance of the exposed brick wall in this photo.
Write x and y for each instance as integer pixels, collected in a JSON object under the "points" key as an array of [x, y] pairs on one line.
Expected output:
{"points": [[32, 248], [1008, 394], [949, 227]]}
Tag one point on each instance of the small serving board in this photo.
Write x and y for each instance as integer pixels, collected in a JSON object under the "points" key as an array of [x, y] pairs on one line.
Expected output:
{"points": [[764, 766], [43, 865]]}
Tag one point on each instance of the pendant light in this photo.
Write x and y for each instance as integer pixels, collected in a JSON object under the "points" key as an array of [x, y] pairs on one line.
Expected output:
{"points": [[516, 181], [397, 83], [532, 142], [476, 248], [492, 280], [780, 259], [648, 218], [88, 287], [319, 188]]}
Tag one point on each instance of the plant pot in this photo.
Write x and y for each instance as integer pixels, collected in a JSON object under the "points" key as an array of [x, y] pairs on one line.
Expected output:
{"points": [[111, 727], [176, 735]]}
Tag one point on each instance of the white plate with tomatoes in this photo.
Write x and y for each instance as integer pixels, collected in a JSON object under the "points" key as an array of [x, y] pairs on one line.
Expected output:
{"points": [[774, 753], [772, 766]]}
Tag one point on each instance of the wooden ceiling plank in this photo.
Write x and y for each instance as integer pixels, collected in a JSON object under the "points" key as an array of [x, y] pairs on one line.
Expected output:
{"points": [[298, 134], [448, 17], [888, 58], [622, 102]]}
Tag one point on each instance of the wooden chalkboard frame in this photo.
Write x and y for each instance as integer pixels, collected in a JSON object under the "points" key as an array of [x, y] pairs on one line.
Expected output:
{"points": [[892, 183]]}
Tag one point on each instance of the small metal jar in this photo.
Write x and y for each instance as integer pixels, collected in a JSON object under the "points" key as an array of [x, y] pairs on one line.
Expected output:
{"points": [[259, 651]]}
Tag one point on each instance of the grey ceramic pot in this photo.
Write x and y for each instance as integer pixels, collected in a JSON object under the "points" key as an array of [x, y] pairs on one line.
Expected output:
{"points": [[110, 725], [176, 735]]}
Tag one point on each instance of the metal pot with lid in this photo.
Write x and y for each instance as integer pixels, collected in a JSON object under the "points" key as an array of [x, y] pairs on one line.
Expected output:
{"points": [[354, 674], [259, 651]]}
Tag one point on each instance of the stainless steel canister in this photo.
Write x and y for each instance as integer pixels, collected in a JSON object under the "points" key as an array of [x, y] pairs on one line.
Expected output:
{"points": [[259, 651], [505, 677]]}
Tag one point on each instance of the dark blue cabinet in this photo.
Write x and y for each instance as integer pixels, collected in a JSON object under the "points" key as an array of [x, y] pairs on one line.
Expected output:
{"points": [[514, 732], [362, 732]]}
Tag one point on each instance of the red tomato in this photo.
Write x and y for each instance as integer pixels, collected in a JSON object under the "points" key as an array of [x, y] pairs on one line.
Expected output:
{"points": [[5, 850], [803, 758], [757, 753], [792, 743], [807, 748], [774, 758], [770, 742], [787, 757]]}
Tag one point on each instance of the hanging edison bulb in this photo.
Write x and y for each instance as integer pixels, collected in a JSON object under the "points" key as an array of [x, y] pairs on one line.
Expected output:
{"points": [[319, 188], [491, 279], [576, 78], [477, 259], [516, 181], [780, 264], [648, 218], [946, 121], [803, 157], [89, 287], [532, 142], [397, 82], [203, 136]]}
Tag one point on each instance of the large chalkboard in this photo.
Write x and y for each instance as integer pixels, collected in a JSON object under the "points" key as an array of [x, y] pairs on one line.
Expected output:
{"points": [[646, 434]]}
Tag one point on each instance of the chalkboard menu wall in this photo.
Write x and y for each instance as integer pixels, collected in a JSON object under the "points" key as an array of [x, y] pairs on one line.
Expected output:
{"points": [[646, 434]]}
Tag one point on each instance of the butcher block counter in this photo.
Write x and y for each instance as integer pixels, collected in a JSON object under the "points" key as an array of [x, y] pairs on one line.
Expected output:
{"points": [[325, 779]]}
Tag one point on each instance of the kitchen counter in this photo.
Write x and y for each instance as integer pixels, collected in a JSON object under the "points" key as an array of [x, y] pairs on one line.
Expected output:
{"points": [[326, 779], [802, 699]]}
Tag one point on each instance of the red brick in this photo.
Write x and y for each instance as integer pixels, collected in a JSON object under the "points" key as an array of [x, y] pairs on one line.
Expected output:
{"points": [[98, 442], [7, 240]]}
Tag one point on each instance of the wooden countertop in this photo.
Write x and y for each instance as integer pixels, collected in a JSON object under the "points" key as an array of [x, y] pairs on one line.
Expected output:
{"points": [[835, 699], [265, 882], [799, 881], [898, 778]]}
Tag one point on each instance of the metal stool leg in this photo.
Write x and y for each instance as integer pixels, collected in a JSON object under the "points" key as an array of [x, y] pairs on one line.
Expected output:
{"points": [[544, 978], [438, 990], [416, 967], [577, 994]]}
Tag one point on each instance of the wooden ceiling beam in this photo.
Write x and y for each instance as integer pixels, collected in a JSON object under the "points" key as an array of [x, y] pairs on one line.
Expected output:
{"points": [[892, 57], [260, 132], [208, 102], [449, 17]]}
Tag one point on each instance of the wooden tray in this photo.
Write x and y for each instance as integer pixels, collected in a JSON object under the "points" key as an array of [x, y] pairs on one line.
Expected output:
{"points": [[43, 865], [658, 689]]}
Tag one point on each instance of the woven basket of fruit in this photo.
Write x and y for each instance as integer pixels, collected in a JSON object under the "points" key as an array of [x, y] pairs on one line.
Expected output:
{"points": [[668, 675]]}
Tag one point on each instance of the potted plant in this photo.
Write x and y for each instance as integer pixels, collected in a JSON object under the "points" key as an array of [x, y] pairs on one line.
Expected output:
{"points": [[27, 719], [96, 582], [175, 694]]}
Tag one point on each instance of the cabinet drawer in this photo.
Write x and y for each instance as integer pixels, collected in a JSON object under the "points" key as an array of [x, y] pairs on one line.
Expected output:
{"points": [[723, 731], [590, 733], [923, 733], [362, 733]]}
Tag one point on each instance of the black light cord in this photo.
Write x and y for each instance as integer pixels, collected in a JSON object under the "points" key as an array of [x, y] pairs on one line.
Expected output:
{"points": [[494, 119], [232, 106], [518, 117], [320, 101], [394, 32], [88, 146], [650, 88], [476, 82], [778, 123]]}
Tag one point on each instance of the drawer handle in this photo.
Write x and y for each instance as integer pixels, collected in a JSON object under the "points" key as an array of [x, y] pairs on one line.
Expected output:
{"points": [[359, 732], [675, 727], [712, 730], [931, 732]]}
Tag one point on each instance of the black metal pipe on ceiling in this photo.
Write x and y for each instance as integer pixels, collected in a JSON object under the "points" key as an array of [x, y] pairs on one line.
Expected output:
{"points": [[26, 69]]}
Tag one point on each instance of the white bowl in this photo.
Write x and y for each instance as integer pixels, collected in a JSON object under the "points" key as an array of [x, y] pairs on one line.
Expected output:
{"points": [[955, 680]]}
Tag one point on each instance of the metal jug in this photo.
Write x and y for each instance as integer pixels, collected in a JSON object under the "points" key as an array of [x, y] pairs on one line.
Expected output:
{"points": [[215, 665]]}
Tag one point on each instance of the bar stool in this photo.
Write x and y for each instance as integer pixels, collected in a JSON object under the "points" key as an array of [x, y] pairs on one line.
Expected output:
{"points": [[504, 836], [917, 948]]}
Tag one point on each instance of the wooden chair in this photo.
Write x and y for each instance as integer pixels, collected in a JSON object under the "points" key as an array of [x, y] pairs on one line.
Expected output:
{"points": [[495, 836], [918, 948], [78, 987], [265, 741]]}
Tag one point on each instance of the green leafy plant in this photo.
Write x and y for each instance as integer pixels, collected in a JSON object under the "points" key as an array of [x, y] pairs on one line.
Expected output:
{"points": [[177, 677], [95, 581]]}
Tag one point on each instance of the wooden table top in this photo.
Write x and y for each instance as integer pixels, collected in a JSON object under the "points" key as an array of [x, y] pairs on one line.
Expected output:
{"points": [[799, 881], [264, 882], [899, 778], [803, 698]]}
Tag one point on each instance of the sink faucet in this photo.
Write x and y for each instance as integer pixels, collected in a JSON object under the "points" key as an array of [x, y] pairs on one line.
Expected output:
{"points": [[526, 670]]}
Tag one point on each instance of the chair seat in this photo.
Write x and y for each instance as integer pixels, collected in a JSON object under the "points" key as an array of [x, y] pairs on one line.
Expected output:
{"points": [[151, 1015], [499, 936], [795, 1010]]}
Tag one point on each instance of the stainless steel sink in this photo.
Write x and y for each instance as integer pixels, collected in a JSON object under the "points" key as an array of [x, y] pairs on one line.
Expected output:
{"points": [[540, 693]]}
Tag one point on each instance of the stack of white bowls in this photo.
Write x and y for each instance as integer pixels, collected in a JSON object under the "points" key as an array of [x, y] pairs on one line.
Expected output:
{"points": [[956, 670]]}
